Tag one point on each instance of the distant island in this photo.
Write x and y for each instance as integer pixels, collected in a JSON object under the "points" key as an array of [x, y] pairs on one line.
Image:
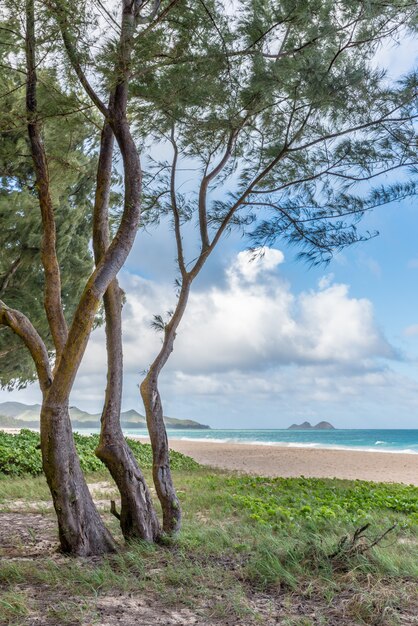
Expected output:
{"points": [[19, 415], [308, 426]]}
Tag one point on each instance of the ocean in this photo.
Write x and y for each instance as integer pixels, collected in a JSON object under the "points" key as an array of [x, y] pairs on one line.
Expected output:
{"points": [[384, 440]]}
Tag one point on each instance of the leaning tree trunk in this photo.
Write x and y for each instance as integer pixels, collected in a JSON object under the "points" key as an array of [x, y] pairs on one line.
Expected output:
{"points": [[138, 518], [81, 529], [155, 421], [161, 455]]}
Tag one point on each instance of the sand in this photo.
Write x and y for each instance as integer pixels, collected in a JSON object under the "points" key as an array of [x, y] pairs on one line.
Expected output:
{"points": [[312, 462], [266, 460]]}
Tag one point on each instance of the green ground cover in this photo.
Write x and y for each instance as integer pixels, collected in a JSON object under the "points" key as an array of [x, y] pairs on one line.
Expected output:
{"points": [[252, 551]]}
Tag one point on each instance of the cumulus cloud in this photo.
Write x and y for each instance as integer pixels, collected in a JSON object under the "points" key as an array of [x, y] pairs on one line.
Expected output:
{"points": [[252, 346], [248, 265], [252, 323]]}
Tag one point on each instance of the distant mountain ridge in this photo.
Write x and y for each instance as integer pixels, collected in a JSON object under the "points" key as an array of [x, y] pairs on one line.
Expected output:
{"points": [[19, 415], [308, 426]]}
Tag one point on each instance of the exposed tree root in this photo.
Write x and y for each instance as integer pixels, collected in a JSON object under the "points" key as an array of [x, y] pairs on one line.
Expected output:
{"points": [[358, 543]]}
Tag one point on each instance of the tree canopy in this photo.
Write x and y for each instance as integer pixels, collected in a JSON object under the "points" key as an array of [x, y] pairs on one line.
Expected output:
{"points": [[69, 136], [284, 112]]}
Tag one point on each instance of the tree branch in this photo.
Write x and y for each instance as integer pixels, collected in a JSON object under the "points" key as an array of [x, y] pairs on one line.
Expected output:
{"points": [[160, 17], [52, 298], [73, 56], [353, 129], [21, 326], [174, 206], [203, 218], [5, 280]]}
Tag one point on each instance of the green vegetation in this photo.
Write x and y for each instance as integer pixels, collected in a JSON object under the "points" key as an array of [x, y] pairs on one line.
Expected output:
{"points": [[278, 502], [20, 454], [251, 550]]}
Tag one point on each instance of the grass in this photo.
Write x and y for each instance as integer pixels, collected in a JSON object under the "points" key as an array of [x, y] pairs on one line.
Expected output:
{"points": [[250, 548], [13, 606]]}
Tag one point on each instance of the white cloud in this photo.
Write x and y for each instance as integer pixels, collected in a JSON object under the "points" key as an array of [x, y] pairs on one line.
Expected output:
{"points": [[326, 281], [255, 351], [334, 327], [252, 323], [249, 265]]}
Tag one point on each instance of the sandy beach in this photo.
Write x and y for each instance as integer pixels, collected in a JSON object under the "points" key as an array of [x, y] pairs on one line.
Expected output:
{"points": [[266, 460], [312, 462]]}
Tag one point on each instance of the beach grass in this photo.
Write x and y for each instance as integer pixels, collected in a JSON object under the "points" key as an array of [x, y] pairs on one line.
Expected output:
{"points": [[251, 549]]}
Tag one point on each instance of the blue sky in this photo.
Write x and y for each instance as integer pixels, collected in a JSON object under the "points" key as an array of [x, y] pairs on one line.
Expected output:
{"points": [[273, 342], [268, 343]]}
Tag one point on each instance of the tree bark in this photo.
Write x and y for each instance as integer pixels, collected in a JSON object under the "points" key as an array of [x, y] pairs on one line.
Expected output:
{"points": [[81, 529], [155, 421], [138, 518], [161, 455]]}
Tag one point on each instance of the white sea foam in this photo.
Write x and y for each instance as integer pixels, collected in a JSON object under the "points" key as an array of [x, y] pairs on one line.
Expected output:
{"points": [[252, 440], [287, 444]]}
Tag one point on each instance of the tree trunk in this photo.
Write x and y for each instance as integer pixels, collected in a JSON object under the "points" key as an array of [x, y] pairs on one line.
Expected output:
{"points": [[138, 518], [161, 455], [155, 422], [81, 529]]}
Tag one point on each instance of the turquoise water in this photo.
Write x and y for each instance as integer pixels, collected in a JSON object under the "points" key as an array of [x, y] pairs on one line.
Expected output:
{"points": [[383, 440]]}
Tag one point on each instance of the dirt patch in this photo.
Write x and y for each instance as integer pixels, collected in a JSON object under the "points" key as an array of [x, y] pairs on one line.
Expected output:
{"points": [[48, 608], [102, 488], [27, 535], [102, 493], [27, 505], [134, 611]]}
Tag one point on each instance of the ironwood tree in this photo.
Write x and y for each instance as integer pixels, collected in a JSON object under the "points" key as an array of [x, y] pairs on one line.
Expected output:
{"points": [[293, 133], [81, 529], [281, 112], [138, 518]]}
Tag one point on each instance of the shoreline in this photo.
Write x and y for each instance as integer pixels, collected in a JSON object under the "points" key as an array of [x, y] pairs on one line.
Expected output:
{"points": [[284, 444], [264, 460], [274, 460], [230, 441]]}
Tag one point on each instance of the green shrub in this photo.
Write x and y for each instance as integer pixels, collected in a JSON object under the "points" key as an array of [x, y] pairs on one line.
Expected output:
{"points": [[20, 454]]}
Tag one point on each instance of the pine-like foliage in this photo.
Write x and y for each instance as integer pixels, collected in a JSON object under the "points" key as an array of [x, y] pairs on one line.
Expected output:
{"points": [[277, 117], [282, 112], [67, 134]]}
